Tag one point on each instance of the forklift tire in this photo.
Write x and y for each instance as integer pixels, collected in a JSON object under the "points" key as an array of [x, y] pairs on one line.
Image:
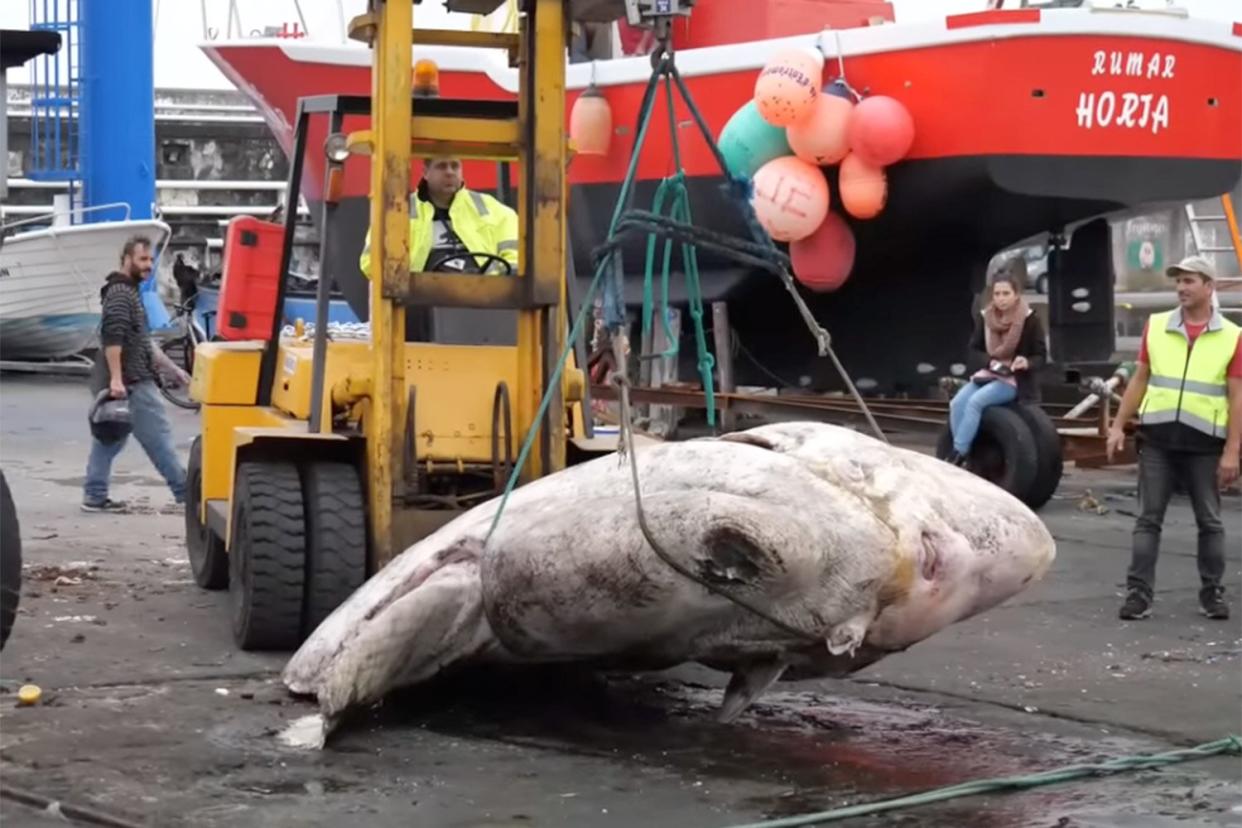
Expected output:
{"points": [[10, 561], [1003, 452], [1050, 463], [209, 560], [336, 539], [267, 556]]}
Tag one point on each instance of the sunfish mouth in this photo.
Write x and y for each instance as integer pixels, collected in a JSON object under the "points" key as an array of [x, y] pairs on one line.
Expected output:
{"points": [[819, 663]]}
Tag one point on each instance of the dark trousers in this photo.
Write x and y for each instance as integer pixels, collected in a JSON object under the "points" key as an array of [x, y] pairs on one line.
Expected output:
{"points": [[1159, 470]]}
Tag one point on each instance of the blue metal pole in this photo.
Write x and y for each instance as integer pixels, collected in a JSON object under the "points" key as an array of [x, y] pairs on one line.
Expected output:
{"points": [[118, 117]]}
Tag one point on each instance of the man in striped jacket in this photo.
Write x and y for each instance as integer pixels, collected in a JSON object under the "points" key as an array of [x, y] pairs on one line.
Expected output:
{"points": [[127, 368]]}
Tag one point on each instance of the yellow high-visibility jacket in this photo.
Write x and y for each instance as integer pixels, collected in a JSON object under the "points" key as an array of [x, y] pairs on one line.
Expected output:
{"points": [[483, 223], [1188, 385]]}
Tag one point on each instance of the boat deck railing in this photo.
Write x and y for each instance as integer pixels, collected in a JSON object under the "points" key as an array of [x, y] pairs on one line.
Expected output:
{"points": [[51, 216]]}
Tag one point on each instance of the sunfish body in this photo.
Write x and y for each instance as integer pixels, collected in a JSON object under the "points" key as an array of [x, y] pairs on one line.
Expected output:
{"points": [[842, 548]]}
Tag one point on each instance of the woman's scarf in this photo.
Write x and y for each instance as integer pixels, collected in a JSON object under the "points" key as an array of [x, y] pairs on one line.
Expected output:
{"points": [[1003, 329]]}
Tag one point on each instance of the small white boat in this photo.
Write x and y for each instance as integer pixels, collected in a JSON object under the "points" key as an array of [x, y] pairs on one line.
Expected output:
{"points": [[50, 277]]}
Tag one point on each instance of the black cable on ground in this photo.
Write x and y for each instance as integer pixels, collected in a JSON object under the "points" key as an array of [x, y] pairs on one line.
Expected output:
{"points": [[76, 813]]}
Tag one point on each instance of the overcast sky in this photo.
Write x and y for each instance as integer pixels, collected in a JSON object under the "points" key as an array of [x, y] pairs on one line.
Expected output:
{"points": [[179, 64]]}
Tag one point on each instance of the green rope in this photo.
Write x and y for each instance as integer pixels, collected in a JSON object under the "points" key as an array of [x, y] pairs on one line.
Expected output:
{"points": [[689, 252], [588, 301], [1230, 745], [678, 212], [657, 205], [554, 382], [673, 187]]}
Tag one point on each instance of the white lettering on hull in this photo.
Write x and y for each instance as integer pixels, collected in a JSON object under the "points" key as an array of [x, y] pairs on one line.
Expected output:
{"points": [[1133, 64], [1127, 110], [1137, 111]]}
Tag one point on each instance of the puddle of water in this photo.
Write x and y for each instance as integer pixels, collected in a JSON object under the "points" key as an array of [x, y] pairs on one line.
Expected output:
{"points": [[815, 750], [284, 786]]}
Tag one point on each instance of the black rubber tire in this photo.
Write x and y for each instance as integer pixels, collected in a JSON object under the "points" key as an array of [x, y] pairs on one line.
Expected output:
{"points": [[209, 560], [944, 443], [1004, 451], [336, 539], [1050, 463], [267, 556], [181, 352], [10, 561]]}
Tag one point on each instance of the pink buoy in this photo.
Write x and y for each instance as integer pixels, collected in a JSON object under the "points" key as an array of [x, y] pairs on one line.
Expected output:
{"points": [[823, 260], [881, 130], [862, 187], [590, 123], [822, 137], [790, 198], [788, 85]]}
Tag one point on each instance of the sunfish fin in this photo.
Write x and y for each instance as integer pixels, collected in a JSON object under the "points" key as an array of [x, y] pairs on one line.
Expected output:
{"points": [[757, 440], [747, 684], [307, 732], [849, 634], [782, 438]]}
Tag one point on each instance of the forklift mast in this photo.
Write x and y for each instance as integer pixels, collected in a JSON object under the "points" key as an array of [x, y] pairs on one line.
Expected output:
{"points": [[318, 462], [530, 133]]}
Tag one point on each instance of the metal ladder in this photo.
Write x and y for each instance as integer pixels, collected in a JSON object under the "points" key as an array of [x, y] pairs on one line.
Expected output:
{"points": [[1216, 234], [54, 102]]}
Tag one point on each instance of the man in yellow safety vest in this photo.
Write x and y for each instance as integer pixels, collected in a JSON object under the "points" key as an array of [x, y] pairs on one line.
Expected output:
{"points": [[1187, 391], [448, 222]]}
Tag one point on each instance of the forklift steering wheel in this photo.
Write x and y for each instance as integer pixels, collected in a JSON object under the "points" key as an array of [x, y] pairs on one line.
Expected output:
{"points": [[468, 255]]}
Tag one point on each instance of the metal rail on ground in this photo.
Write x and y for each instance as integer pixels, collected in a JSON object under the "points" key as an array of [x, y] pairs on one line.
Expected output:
{"points": [[1082, 437]]}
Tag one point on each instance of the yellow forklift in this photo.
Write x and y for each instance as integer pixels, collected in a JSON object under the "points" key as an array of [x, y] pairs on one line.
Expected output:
{"points": [[320, 460]]}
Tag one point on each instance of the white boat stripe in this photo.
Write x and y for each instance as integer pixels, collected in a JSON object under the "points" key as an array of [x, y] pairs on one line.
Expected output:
{"points": [[890, 37]]}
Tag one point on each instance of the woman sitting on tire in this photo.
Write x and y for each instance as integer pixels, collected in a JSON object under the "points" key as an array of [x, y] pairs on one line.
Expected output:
{"points": [[1006, 350]]}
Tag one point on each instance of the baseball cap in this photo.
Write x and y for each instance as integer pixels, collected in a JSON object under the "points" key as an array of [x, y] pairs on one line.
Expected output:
{"points": [[1193, 264]]}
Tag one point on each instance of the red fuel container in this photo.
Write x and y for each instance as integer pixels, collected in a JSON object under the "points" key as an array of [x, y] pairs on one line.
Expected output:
{"points": [[250, 279]]}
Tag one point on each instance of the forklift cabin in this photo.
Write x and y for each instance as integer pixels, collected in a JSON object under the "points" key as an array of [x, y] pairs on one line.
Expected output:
{"points": [[320, 460]]}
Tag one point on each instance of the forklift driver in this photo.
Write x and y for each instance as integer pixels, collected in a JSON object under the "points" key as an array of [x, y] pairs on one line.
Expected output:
{"points": [[449, 225]]}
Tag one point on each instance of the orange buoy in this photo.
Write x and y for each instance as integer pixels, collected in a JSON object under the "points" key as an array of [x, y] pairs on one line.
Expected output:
{"points": [[788, 85], [863, 188], [790, 198], [590, 123], [823, 260], [881, 130], [823, 136]]}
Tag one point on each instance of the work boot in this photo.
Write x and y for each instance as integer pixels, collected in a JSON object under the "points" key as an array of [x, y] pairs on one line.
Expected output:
{"points": [[1212, 603], [105, 505], [1137, 606]]}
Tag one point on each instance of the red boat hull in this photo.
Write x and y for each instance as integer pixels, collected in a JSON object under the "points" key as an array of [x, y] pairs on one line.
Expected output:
{"points": [[1041, 95], [1023, 124]]}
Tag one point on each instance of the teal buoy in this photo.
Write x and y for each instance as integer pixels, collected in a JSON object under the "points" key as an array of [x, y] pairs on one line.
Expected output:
{"points": [[747, 142]]}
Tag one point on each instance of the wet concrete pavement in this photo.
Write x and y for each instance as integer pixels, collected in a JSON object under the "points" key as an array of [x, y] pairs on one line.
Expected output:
{"points": [[151, 713]]}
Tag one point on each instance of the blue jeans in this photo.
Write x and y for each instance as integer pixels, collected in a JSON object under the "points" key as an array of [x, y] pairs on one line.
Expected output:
{"points": [[153, 431], [966, 410]]}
